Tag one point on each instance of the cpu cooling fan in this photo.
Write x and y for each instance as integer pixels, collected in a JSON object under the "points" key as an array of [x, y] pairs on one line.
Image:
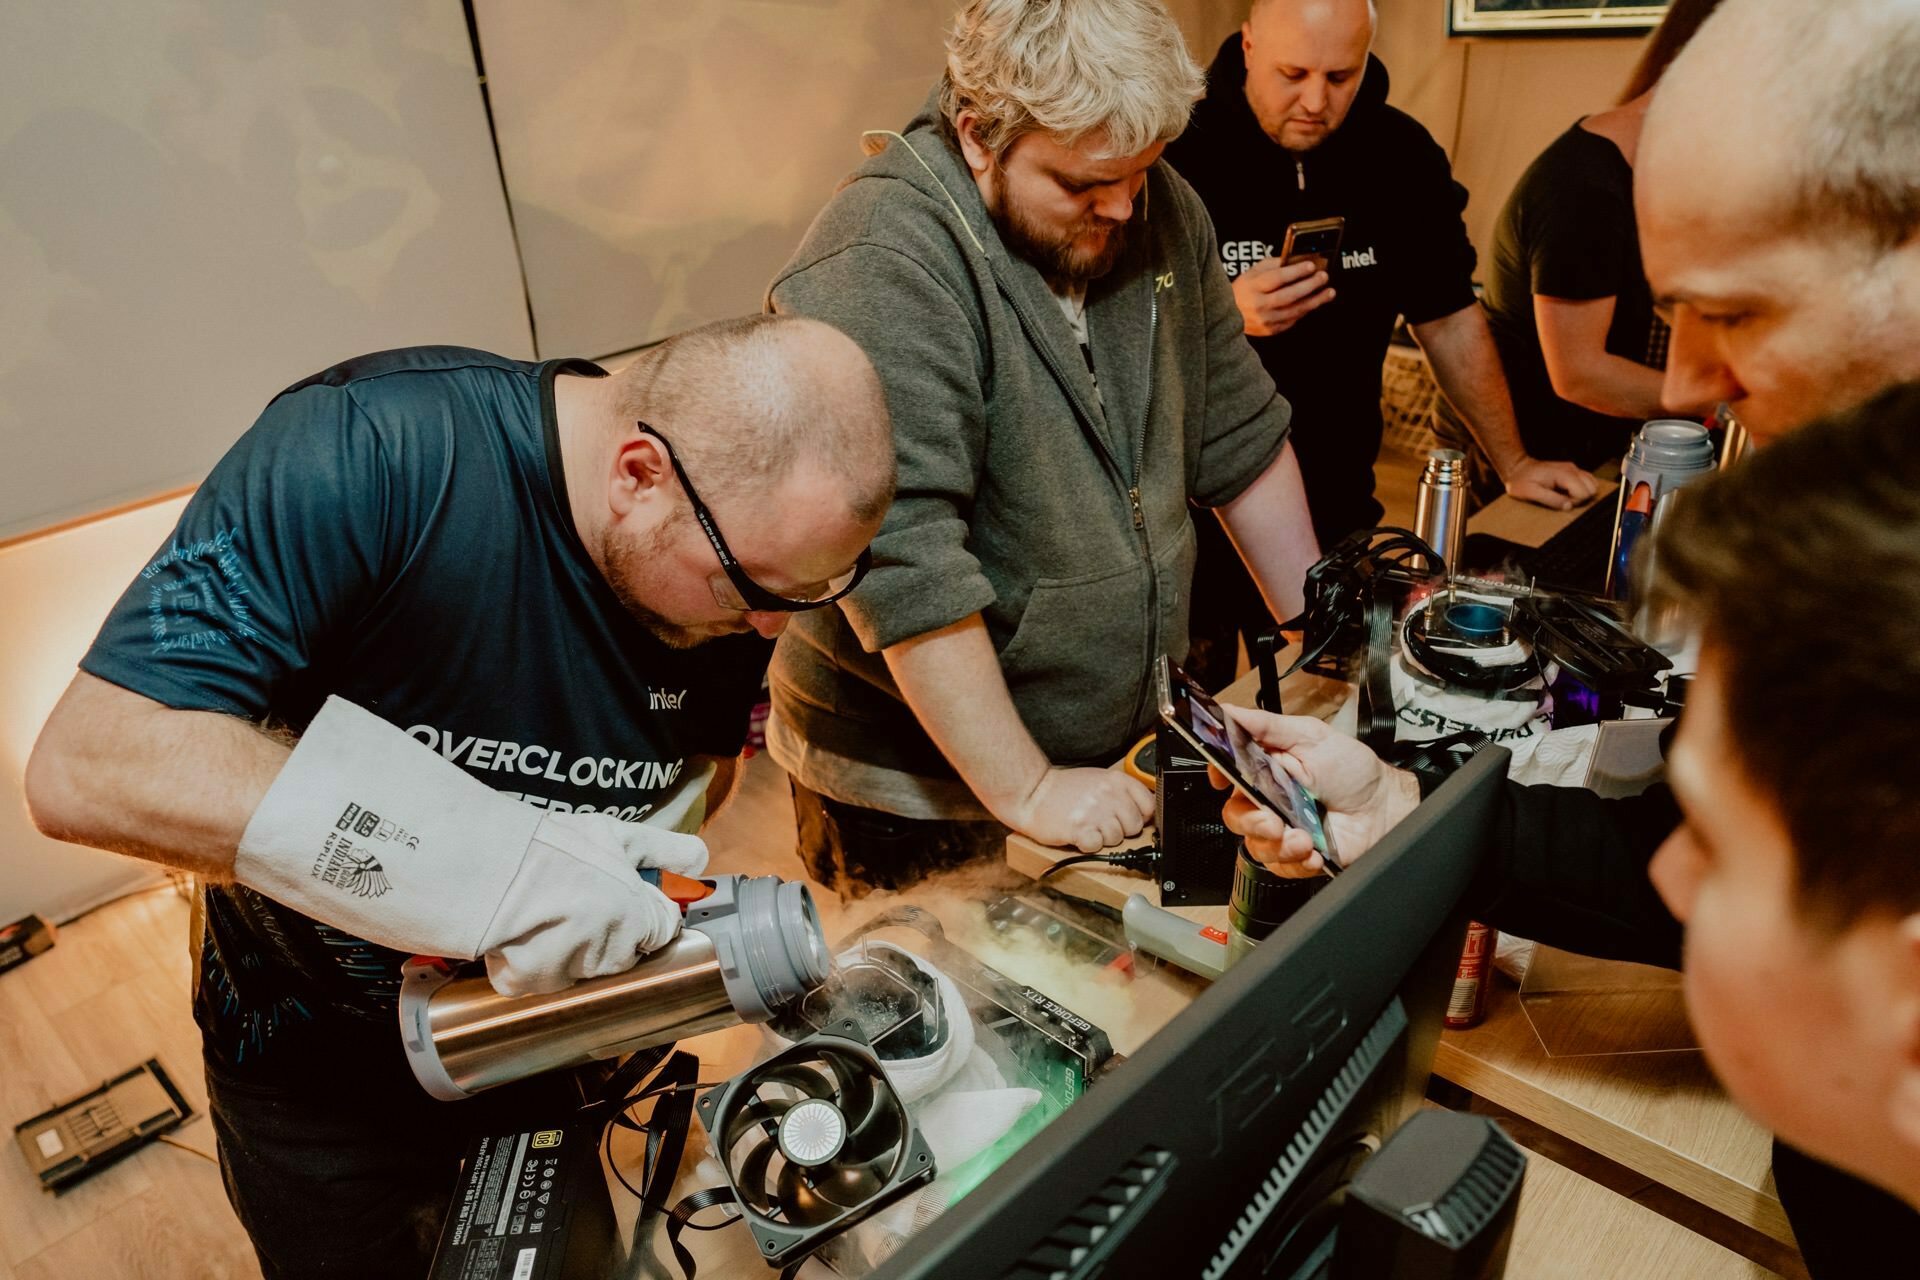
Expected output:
{"points": [[814, 1140]]}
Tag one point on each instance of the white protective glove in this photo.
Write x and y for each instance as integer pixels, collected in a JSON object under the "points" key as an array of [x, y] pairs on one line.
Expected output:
{"points": [[372, 831]]}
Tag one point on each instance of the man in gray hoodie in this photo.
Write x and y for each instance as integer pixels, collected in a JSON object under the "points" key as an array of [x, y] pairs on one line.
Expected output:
{"points": [[1067, 373]]}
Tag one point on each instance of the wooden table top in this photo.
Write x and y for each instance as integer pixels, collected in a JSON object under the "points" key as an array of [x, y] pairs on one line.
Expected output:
{"points": [[1663, 1115], [1528, 525]]}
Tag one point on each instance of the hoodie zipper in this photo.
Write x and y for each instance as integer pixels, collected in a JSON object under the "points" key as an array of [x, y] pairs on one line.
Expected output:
{"points": [[1300, 172], [1132, 485], [1140, 521]]}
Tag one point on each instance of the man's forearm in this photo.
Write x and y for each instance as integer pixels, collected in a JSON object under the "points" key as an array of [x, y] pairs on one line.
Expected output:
{"points": [[1569, 868], [1466, 365], [1573, 345], [951, 678], [1272, 530], [119, 771], [1615, 386]]}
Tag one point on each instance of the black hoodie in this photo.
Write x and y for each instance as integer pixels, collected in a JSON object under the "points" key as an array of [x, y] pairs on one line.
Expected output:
{"points": [[1405, 252]]}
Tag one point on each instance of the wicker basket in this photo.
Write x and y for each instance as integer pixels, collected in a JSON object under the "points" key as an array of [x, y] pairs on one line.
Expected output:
{"points": [[1407, 396]]}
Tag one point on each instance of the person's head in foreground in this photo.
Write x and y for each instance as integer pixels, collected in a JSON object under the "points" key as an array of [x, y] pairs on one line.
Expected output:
{"points": [[1059, 108], [767, 436], [1796, 870], [1781, 230]]}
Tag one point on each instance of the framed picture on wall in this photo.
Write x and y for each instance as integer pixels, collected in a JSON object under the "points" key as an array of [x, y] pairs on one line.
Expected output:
{"points": [[1553, 17]]}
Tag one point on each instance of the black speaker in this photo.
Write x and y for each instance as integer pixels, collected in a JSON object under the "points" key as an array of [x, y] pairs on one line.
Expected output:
{"points": [[1436, 1203], [1197, 851]]}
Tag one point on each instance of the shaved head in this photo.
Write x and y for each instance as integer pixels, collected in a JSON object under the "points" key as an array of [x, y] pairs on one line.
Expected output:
{"points": [[760, 479], [1777, 193], [1811, 109], [1316, 11], [1305, 61], [747, 401]]}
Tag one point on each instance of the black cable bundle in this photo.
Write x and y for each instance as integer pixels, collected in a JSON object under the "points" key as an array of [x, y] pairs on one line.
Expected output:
{"points": [[1369, 565]]}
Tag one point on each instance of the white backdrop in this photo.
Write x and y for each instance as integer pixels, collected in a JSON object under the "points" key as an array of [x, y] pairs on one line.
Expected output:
{"points": [[202, 201], [665, 157]]}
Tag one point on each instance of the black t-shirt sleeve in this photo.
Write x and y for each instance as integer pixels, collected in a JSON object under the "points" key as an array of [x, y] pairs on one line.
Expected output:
{"points": [[283, 548], [1570, 870], [1440, 257], [1573, 218]]}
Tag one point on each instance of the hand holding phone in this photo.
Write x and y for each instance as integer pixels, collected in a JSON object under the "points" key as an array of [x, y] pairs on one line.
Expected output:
{"points": [[1207, 727], [1273, 296], [1361, 797]]}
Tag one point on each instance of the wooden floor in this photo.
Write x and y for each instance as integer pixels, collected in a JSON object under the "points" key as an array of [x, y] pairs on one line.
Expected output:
{"points": [[111, 994]]}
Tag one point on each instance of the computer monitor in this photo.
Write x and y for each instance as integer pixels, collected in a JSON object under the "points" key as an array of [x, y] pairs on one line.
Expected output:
{"points": [[1222, 1147]]}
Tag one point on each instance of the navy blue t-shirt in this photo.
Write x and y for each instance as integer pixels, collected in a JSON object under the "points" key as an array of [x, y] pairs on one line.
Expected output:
{"points": [[396, 531]]}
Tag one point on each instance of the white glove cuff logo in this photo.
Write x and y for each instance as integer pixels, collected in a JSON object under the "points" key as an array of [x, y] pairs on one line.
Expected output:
{"points": [[340, 865], [360, 874]]}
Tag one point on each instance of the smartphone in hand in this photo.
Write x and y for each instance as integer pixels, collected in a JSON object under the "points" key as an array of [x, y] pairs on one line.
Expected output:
{"points": [[1318, 240], [1197, 718]]}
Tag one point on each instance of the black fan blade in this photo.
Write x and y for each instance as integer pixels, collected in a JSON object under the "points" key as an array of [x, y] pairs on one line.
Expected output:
{"points": [[857, 1093], [800, 1204], [761, 1112], [796, 1075], [877, 1133], [851, 1185], [750, 1178]]}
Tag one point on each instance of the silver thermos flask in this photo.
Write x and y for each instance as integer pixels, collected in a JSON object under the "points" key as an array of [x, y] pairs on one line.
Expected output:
{"points": [[1666, 455], [748, 948], [1440, 511], [1734, 441]]}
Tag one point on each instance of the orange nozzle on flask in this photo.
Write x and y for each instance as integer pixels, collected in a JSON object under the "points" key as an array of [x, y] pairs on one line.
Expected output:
{"points": [[680, 890]]}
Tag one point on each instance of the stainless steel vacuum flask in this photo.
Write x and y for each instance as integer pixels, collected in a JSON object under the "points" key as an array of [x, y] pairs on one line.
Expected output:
{"points": [[749, 947], [1440, 510]]}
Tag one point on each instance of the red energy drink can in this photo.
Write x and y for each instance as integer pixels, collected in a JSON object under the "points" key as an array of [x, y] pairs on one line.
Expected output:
{"points": [[1468, 1003]]}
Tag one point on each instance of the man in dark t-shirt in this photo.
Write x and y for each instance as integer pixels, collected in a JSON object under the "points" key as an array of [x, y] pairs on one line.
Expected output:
{"points": [[514, 652], [1568, 232]]}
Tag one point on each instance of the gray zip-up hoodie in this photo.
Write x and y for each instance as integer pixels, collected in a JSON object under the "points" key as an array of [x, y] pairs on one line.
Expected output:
{"points": [[1058, 513]]}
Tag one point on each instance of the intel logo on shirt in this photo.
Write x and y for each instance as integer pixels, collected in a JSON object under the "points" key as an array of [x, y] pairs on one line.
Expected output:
{"points": [[1366, 257]]}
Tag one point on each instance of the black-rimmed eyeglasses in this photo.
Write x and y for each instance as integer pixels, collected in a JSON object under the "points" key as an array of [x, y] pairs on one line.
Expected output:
{"points": [[746, 595]]}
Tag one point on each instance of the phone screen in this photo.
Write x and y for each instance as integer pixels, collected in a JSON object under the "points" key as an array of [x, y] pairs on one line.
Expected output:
{"points": [[1196, 717]]}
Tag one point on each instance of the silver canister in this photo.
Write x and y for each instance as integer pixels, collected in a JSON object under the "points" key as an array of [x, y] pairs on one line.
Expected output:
{"points": [[750, 947], [1666, 455], [1440, 510]]}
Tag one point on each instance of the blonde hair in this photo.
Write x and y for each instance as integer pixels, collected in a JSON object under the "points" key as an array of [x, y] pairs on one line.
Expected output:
{"points": [[1116, 72]]}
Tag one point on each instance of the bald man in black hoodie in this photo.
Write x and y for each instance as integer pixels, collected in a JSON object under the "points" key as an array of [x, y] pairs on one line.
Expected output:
{"points": [[1295, 126]]}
